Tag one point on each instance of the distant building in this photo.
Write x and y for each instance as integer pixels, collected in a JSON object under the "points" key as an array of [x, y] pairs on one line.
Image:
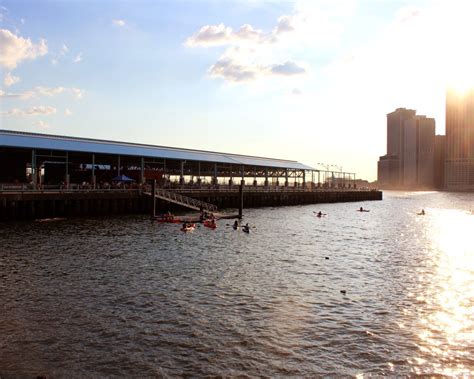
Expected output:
{"points": [[439, 157], [459, 165], [409, 162]]}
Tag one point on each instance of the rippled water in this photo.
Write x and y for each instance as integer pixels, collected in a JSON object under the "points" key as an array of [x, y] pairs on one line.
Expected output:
{"points": [[124, 297]]}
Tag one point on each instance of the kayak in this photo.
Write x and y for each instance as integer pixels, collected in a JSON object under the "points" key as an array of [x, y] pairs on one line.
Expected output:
{"points": [[188, 228], [169, 221], [209, 224]]}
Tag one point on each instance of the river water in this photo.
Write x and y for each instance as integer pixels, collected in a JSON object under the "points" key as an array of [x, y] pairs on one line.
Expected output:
{"points": [[122, 297]]}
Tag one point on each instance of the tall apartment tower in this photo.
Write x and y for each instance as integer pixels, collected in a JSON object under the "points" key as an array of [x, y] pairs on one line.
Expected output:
{"points": [[409, 162], [459, 164]]}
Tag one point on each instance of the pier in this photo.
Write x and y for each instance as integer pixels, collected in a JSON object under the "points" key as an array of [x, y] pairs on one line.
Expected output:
{"points": [[47, 176]]}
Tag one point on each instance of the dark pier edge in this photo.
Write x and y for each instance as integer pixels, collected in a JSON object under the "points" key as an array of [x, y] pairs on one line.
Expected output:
{"points": [[30, 205]]}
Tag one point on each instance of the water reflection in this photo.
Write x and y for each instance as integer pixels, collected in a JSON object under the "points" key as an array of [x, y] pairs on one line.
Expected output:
{"points": [[446, 329]]}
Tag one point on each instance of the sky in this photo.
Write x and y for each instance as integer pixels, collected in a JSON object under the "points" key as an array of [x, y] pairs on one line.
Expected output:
{"points": [[310, 81]]}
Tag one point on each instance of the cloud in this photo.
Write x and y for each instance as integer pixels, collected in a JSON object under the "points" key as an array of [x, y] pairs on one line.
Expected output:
{"points": [[78, 58], [14, 49], [22, 95], [118, 22], [9, 79], [288, 68], [33, 111], [41, 124], [210, 35], [45, 91], [285, 25], [234, 71], [54, 61], [251, 53], [64, 49], [67, 112]]}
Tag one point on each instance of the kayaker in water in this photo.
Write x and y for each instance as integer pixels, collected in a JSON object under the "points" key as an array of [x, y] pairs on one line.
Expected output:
{"points": [[246, 228], [422, 212], [320, 214], [236, 224]]}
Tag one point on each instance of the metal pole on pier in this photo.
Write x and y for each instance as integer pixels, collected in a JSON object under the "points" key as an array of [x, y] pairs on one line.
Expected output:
{"points": [[241, 198], [153, 192]]}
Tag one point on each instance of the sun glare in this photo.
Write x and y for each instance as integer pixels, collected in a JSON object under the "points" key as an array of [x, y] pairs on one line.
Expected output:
{"points": [[447, 330]]}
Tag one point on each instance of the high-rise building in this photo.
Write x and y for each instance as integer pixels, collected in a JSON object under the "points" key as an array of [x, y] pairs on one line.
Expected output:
{"points": [[459, 164], [440, 156], [409, 162]]}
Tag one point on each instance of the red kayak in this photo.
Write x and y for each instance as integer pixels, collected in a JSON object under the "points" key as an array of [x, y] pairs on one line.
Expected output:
{"points": [[210, 224], [169, 220]]}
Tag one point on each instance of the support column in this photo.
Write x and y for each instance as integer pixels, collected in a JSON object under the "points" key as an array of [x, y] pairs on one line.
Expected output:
{"points": [[286, 177], [214, 179], [199, 174], [33, 168], [153, 201], [93, 172], [304, 178], [118, 165], [319, 179], [266, 177], [142, 170], [181, 175], [67, 178], [241, 198]]}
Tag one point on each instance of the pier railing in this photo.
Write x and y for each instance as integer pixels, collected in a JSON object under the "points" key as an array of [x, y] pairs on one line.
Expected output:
{"points": [[185, 201], [186, 189]]}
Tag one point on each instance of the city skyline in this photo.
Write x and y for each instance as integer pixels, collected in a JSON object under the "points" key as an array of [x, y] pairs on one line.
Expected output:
{"points": [[309, 81]]}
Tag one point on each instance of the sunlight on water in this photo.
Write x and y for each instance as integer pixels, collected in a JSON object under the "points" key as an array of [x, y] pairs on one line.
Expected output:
{"points": [[447, 328]]}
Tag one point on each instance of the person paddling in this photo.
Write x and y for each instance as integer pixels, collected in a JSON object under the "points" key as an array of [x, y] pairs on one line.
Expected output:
{"points": [[246, 228]]}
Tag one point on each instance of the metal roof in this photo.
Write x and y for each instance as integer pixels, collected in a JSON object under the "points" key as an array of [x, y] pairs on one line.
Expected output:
{"points": [[9, 138]]}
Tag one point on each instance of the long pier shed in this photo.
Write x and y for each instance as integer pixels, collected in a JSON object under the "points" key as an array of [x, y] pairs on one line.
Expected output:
{"points": [[51, 172]]}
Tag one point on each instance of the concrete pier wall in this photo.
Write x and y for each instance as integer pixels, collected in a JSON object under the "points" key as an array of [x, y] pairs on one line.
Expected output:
{"points": [[37, 205]]}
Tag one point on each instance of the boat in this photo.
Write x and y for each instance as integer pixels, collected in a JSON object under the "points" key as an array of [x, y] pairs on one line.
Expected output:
{"points": [[210, 224], [188, 228]]}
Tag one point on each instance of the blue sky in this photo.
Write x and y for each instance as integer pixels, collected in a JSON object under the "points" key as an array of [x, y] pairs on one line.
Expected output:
{"points": [[304, 80]]}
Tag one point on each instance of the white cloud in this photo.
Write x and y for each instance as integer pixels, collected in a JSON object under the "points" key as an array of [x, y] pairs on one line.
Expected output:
{"points": [[67, 112], [22, 95], [118, 22], [54, 61], [285, 25], [14, 49], [288, 68], [45, 91], [210, 35], [64, 49], [10, 79], [33, 111], [252, 53], [78, 58], [233, 70], [79, 93], [40, 124]]}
